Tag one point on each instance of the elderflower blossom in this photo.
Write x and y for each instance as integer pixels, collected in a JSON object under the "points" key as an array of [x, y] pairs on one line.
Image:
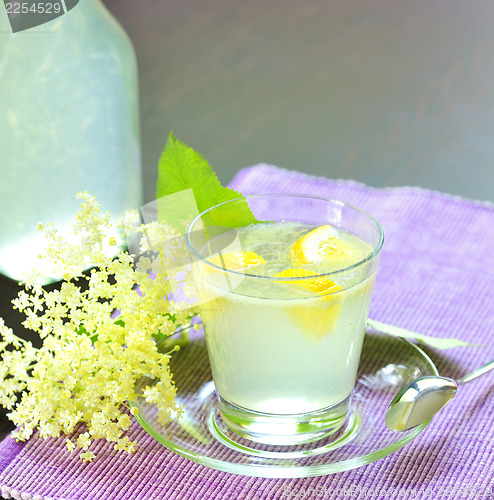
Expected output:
{"points": [[99, 335]]}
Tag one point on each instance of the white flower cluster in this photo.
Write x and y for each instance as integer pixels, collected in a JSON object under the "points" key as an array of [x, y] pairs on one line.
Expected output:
{"points": [[99, 331]]}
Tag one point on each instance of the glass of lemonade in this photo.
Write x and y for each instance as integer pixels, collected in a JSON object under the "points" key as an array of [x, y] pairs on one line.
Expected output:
{"points": [[284, 283]]}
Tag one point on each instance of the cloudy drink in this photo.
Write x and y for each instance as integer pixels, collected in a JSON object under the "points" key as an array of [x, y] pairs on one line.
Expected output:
{"points": [[282, 340]]}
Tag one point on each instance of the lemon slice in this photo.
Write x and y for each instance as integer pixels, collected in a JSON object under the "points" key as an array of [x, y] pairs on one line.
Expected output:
{"points": [[315, 318], [317, 285], [323, 245], [235, 261]]}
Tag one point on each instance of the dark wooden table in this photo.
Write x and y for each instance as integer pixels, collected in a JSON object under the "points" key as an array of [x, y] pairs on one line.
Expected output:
{"points": [[388, 92]]}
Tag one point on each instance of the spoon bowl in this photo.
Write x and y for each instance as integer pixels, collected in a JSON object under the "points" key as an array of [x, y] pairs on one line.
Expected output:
{"points": [[421, 399]]}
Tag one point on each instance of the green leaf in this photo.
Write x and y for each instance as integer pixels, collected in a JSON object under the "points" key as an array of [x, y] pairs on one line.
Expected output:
{"points": [[180, 168], [82, 331], [438, 343]]}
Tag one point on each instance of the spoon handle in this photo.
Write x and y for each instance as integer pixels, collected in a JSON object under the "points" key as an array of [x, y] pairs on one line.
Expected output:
{"points": [[477, 373]]}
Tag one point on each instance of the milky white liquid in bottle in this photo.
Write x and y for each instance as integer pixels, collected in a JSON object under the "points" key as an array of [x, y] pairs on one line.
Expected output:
{"points": [[68, 123]]}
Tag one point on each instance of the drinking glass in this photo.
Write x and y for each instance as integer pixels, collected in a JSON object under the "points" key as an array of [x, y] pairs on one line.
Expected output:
{"points": [[283, 344]]}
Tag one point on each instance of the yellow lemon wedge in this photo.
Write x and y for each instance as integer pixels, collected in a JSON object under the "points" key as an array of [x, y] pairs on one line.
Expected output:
{"points": [[315, 318], [323, 244], [317, 285], [235, 261]]}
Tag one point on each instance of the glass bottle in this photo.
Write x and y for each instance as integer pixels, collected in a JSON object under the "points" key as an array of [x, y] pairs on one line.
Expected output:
{"points": [[69, 122]]}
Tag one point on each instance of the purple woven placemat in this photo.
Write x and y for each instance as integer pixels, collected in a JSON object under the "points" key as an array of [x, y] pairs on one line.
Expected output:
{"points": [[436, 276]]}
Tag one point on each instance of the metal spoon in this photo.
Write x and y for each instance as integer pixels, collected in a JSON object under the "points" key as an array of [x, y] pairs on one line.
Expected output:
{"points": [[421, 399]]}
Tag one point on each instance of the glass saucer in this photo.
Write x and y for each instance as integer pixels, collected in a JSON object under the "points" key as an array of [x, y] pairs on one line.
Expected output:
{"points": [[386, 365]]}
